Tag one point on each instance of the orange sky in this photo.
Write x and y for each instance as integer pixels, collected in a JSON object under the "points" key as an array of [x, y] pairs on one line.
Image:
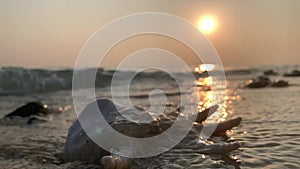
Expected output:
{"points": [[51, 33]]}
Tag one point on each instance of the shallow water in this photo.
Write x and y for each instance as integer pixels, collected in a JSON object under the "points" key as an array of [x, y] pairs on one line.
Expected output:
{"points": [[269, 130], [272, 125]]}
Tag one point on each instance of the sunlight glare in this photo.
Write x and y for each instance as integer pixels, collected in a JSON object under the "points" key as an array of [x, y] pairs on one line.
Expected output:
{"points": [[207, 24], [207, 67]]}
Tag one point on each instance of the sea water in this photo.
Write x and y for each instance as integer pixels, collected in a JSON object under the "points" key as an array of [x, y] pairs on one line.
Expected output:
{"points": [[269, 132]]}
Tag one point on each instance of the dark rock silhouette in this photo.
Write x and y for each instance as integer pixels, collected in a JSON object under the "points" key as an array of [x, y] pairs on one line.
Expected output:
{"points": [[198, 75], [259, 82], [280, 83], [294, 73], [270, 73], [262, 82], [29, 109]]}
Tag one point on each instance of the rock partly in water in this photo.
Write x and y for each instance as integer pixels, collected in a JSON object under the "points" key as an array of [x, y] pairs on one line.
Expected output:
{"points": [[259, 82], [80, 147], [198, 75], [270, 73], [262, 82], [29, 109], [295, 73], [280, 83], [33, 113]]}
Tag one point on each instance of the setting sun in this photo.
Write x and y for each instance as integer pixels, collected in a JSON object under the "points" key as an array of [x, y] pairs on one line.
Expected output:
{"points": [[207, 24]]}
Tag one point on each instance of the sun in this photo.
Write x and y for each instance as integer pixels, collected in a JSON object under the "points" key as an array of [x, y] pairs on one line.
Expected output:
{"points": [[207, 24]]}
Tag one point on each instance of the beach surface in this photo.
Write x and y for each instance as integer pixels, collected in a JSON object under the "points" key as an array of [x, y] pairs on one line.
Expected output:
{"points": [[269, 132]]}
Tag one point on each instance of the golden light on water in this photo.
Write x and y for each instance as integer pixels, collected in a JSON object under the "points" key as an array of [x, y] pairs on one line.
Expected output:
{"points": [[207, 24], [208, 81]]}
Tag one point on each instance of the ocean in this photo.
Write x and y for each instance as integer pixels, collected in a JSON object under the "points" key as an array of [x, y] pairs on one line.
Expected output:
{"points": [[269, 132]]}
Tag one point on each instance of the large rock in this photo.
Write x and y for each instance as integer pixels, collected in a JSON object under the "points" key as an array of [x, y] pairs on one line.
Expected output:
{"points": [[79, 146], [294, 73], [259, 82]]}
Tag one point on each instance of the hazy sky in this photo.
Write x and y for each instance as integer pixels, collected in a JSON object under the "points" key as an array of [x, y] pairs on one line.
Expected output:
{"points": [[50, 33]]}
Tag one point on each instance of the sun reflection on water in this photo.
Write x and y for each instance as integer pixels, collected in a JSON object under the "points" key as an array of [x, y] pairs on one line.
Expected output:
{"points": [[220, 96]]}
